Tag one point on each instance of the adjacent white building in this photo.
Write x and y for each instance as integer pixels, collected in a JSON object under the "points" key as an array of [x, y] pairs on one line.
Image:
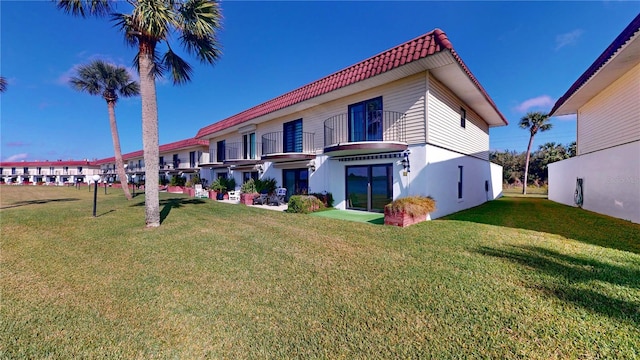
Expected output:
{"points": [[412, 120], [605, 175], [47, 172]]}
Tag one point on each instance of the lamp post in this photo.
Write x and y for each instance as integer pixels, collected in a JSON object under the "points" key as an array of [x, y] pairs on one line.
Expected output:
{"points": [[104, 181], [95, 192], [133, 180]]}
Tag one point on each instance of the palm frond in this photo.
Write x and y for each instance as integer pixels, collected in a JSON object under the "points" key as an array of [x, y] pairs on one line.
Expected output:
{"points": [[126, 24], [158, 68], [3, 84], [180, 70], [152, 19], [102, 78], [199, 21], [83, 8], [206, 49]]}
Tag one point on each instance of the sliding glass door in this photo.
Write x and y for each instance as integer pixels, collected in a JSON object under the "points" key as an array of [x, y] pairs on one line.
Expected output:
{"points": [[369, 187]]}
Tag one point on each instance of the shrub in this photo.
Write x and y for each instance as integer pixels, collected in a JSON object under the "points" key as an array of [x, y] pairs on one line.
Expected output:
{"points": [[304, 204], [266, 185], [326, 198], [413, 206], [177, 181], [249, 187]]}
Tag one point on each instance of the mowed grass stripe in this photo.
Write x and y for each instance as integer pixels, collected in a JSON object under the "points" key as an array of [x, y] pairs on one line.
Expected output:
{"points": [[228, 281]]}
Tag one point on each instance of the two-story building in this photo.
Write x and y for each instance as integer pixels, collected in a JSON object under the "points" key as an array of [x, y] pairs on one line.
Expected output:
{"points": [[412, 120], [605, 175], [48, 172], [180, 158]]}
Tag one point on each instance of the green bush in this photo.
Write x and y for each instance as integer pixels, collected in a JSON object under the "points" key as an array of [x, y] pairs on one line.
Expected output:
{"points": [[413, 206], [177, 181], [326, 198], [266, 185], [249, 187], [304, 204]]}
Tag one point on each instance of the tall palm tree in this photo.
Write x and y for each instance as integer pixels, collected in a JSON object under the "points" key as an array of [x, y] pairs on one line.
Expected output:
{"points": [[151, 23], [3, 84], [534, 122], [101, 78]]}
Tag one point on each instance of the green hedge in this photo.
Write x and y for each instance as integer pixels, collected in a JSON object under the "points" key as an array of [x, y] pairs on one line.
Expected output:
{"points": [[304, 204]]}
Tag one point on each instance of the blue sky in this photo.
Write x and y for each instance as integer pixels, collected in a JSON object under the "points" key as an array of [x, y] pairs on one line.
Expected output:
{"points": [[525, 54]]}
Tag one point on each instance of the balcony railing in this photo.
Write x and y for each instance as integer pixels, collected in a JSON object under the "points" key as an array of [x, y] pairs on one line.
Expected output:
{"points": [[365, 126], [236, 151], [274, 143]]}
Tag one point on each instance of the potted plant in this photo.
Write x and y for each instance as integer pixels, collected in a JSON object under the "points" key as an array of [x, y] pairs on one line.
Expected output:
{"points": [[219, 186], [409, 210], [266, 186], [248, 192], [176, 185]]}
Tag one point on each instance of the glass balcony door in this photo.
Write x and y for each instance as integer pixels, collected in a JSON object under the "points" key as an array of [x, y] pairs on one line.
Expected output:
{"points": [[365, 120]]}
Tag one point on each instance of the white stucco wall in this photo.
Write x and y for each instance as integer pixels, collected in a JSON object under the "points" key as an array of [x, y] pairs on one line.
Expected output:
{"points": [[611, 182]]}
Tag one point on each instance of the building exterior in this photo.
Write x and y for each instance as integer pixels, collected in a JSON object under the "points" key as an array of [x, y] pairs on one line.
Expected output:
{"points": [[412, 120], [180, 158], [605, 175], [47, 172]]}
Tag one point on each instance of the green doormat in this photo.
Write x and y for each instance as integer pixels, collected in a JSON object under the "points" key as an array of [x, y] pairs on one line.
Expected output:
{"points": [[352, 215]]}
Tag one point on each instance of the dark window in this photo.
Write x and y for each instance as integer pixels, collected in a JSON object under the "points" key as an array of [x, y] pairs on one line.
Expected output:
{"points": [[176, 161], [25, 170], [192, 159], [296, 181], [39, 171], [249, 145], [13, 171], [249, 175], [463, 117], [459, 182], [161, 162], [292, 136], [365, 120], [220, 151], [79, 169]]}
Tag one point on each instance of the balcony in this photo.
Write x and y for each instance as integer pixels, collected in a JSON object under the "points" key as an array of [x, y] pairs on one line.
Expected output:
{"points": [[236, 154], [276, 149], [365, 133]]}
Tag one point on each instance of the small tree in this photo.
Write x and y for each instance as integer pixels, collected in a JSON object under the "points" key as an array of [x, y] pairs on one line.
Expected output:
{"points": [[534, 122]]}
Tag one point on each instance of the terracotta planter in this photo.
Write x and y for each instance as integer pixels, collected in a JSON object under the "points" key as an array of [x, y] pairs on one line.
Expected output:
{"points": [[213, 194], [189, 191], [247, 199], [176, 189], [402, 219]]}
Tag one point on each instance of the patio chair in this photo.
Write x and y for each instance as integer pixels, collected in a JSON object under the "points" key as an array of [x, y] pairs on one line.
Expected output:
{"points": [[200, 192], [261, 200], [234, 195], [279, 197]]}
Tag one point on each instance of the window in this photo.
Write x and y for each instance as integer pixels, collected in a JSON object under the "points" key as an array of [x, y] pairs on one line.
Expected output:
{"points": [[13, 171], [51, 170], [247, 175], [192, 159], [65, 170], [39, 170], [79, 169], [249, 146], [460, 182], [463, 118], [292, 136], [296, 181], [161, 162], [365, 120], [220, 151], [176, 161], [25, 170]]}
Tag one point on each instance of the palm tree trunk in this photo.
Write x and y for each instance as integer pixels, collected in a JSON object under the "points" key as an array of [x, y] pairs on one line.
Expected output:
{"points": [[526, 165], [116, 148], [149, 133]]}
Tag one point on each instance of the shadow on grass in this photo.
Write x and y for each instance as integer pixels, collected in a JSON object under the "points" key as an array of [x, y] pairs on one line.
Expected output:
{"points": [[576, 280], [550, 217], [168, 204], [37, 202]]}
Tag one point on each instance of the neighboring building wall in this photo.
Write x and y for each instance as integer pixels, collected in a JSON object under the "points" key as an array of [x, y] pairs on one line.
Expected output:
{"points": [[611, 181], [444, 128], [612, 117]]}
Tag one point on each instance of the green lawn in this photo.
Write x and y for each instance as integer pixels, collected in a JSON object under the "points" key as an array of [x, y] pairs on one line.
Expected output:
{"points": [[515, 278]]}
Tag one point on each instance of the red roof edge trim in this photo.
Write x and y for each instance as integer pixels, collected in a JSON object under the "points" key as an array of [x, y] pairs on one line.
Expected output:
{"points": [[177, 145], [606, 55]]}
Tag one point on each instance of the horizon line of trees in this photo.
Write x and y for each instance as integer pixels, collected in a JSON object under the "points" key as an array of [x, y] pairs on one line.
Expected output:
{"points": [[514, 163]]}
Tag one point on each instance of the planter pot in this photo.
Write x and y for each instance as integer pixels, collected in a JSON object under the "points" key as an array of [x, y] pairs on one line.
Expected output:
{"points": [[247, 199], [225, 196], [212, 194], [402, 219], [189, 191], [176, 189]]}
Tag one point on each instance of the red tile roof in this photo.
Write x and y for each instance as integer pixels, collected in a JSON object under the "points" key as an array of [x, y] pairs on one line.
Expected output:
{"points": [[606, 55], [46, 163], [178, 145], [418, 48]]}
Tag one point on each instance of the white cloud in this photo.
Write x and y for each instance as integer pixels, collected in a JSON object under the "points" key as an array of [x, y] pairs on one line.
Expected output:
{"points": [[569, 38], [17, 157], [543, 101]]}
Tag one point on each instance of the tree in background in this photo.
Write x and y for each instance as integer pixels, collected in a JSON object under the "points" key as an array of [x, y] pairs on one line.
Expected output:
{"points": [[101, 78], [534, 122], [3, 84], [152, 22]]}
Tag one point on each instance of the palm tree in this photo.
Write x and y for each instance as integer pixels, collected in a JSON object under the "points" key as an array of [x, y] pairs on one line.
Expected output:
{"points": [[101, 78], [151, 23], [3, 84], [534, 122]]}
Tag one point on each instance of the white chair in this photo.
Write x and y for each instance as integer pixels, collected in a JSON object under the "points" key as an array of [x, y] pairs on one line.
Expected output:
{"points": [[234, 195]]}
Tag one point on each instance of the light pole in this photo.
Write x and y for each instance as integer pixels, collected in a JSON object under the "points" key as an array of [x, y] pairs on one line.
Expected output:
{"points": [[104, 181], [95, 192], [133, 180]]}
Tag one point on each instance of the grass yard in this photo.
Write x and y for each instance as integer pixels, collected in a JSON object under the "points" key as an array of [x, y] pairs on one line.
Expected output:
{"points": [[514, 278]]}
